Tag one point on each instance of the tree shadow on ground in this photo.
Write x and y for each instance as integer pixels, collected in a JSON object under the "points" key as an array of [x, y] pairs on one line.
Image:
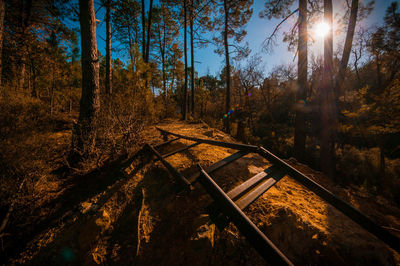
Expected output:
{"points": [[63, 208], [174, 220], [78, 242], [157, 226]]}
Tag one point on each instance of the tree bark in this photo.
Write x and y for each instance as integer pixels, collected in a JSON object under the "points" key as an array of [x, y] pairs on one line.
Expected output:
{"points": [[85, 131], [162, 41], [185, 89], [300, 121], [378, 74], [148, 32], [108, 48], [22, 70], [347, 48], [25, 22], [2, 13], [356, 58], [72, 83], [34, 92], [143, 32], [131, 45], [70, 100], [228, 70], [53, 84], [326, 158], [192, 55], [382, 164]]}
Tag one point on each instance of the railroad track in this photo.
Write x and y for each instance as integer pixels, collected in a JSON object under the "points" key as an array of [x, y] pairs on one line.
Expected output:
{"points": [[228, 206]]}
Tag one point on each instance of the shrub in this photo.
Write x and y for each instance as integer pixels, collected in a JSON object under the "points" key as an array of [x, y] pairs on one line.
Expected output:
{"points": [[27, 145], [361, 167]]}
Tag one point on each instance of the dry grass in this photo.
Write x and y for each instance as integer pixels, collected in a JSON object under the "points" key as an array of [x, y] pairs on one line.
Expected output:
{"points": [[140, 219]]}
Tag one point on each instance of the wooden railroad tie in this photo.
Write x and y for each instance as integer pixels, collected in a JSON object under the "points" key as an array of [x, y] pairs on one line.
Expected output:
{"points": [[228, 207]]}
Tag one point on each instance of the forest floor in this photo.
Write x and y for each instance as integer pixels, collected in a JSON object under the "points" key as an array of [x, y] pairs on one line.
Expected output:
{"points": [[132, 215]]}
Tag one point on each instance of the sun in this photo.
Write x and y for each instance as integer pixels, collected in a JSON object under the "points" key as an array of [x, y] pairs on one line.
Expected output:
{"points": [[321, 29]]}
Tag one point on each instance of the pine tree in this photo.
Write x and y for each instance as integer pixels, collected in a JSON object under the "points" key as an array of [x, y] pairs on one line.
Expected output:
{"points": [[2, 13], [192, 82], [108, 48], [327, 98], [127, 25], [185, 88], [200, 22], [300, 121], [235, 15], [166, 30], [85, 131], [384, 95]]}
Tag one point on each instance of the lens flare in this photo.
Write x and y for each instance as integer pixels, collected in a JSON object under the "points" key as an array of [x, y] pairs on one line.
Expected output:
{"points": [[322, 29]]}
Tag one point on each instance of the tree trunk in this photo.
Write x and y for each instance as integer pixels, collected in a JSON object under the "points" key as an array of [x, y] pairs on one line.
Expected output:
{"points": [[347, 48], [171, 84], [70, 100], [356, 58], [53, 84], [143, 32], [164, 77], [192, 55], [240, 130], [85, 131], [148, 32], [228, 71], [25, 22], [326, 153], [185, 89], [2, 13], [22, 70], [108, 48], [29, 79], [379, 75], [131, 54], [34, 92], [300, 121], [72, 83], [382, 165]]}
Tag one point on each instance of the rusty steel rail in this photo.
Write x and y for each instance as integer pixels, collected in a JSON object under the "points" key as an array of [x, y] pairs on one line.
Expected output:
{"points": [[246, 193], [236, 146], [178, 176], [257, 239], [351, 212], [180, 150], [219, 164], [339, 204], [165, 143]]}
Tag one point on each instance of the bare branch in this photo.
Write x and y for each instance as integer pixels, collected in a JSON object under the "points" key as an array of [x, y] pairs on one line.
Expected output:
{"points": [[269, 40], [74, 10]]}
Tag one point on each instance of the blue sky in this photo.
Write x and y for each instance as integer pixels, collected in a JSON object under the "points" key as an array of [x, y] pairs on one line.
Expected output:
{"points": [[257, 30]]}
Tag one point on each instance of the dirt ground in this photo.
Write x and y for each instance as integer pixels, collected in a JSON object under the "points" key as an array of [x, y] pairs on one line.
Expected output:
{"points": [[134, 216]]}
